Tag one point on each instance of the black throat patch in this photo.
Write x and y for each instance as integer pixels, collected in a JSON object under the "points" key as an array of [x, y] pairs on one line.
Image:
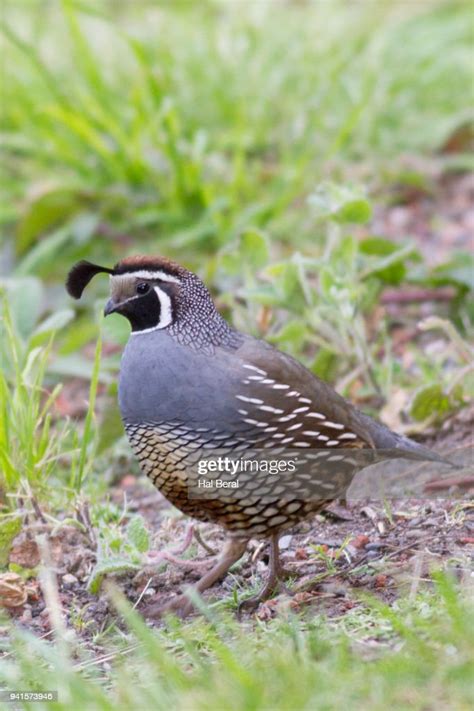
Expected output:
{"points": [[143, 312]]}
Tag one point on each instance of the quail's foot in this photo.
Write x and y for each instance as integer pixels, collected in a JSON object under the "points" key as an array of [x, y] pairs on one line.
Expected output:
{"points": [[170, 555], [182, 605], [277, 574]]}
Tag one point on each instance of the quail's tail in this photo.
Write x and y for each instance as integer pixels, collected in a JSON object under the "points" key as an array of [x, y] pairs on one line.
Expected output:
{"points": [[393, 445]]}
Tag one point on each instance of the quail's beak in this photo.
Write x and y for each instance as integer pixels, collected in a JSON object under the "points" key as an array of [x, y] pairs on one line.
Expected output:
{"points": [[110, 307]]}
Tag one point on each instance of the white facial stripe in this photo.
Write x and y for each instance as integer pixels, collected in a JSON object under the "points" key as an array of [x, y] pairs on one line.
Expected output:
{"points": [[166, 315], [144, 274]]}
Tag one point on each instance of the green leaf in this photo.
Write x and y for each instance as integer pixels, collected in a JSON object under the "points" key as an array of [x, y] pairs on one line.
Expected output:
{"points": [[55, 322], [43, 213], [286, 279], [327, 281], [9, 529], [137, 534], [253, 248], [292, 336], [325, 364], [429, 401], [354, 211], [45, 252], [110, 566], [459, 270], [25, 296], [341, 203], [110, 428], [390, 267]]}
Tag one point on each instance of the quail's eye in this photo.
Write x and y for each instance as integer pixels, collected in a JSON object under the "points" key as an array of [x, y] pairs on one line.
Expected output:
{"points": [[142, 288]]}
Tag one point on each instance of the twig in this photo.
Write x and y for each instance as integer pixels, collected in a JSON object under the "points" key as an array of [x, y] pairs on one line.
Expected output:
{"points": [[409, 296], [441, 484]]}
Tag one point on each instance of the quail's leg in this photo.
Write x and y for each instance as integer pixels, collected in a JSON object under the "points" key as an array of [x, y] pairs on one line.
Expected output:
{"points": [[182, 605], [276, 575], [169, 555]]}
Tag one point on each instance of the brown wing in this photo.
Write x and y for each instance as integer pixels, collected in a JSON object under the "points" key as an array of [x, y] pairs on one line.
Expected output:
{"points": [[287, 405]]}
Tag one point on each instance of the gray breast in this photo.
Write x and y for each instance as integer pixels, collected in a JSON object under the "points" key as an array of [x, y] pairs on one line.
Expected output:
{"points": [[162, 381]]}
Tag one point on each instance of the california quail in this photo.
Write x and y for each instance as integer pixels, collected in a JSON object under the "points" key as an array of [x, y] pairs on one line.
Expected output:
{"points": [[191, 387]]}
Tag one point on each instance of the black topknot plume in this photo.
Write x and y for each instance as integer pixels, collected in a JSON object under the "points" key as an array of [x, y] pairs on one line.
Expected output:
{"points": [[81, 274]]}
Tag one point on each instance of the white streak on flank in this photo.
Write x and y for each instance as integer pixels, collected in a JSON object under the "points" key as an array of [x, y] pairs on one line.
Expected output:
{"points": [[317, 415], [252, 367], [301, 444], [271, 429], [252, 422], [255, 377], [304, 399], [336, 458], [243, 412], [294, 427], [252, 400], [246, 382], [323, 438], [292, 393], [166, 314], [300, 409], [278, 435], [267, 381], [287, 418], [287, 439], [333, 425], [311, 433], [268, 408], [262, 424], [332, 443], [347, 435], [147, 274], [280, 386]]}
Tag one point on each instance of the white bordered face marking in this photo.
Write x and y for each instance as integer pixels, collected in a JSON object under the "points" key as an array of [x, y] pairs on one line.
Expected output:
{"points": [[166, 312], [149, 274]]}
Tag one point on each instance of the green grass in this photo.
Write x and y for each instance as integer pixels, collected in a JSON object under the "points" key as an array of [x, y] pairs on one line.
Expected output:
{"points": [[196, 123], [365, 660], [250, 141]]}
